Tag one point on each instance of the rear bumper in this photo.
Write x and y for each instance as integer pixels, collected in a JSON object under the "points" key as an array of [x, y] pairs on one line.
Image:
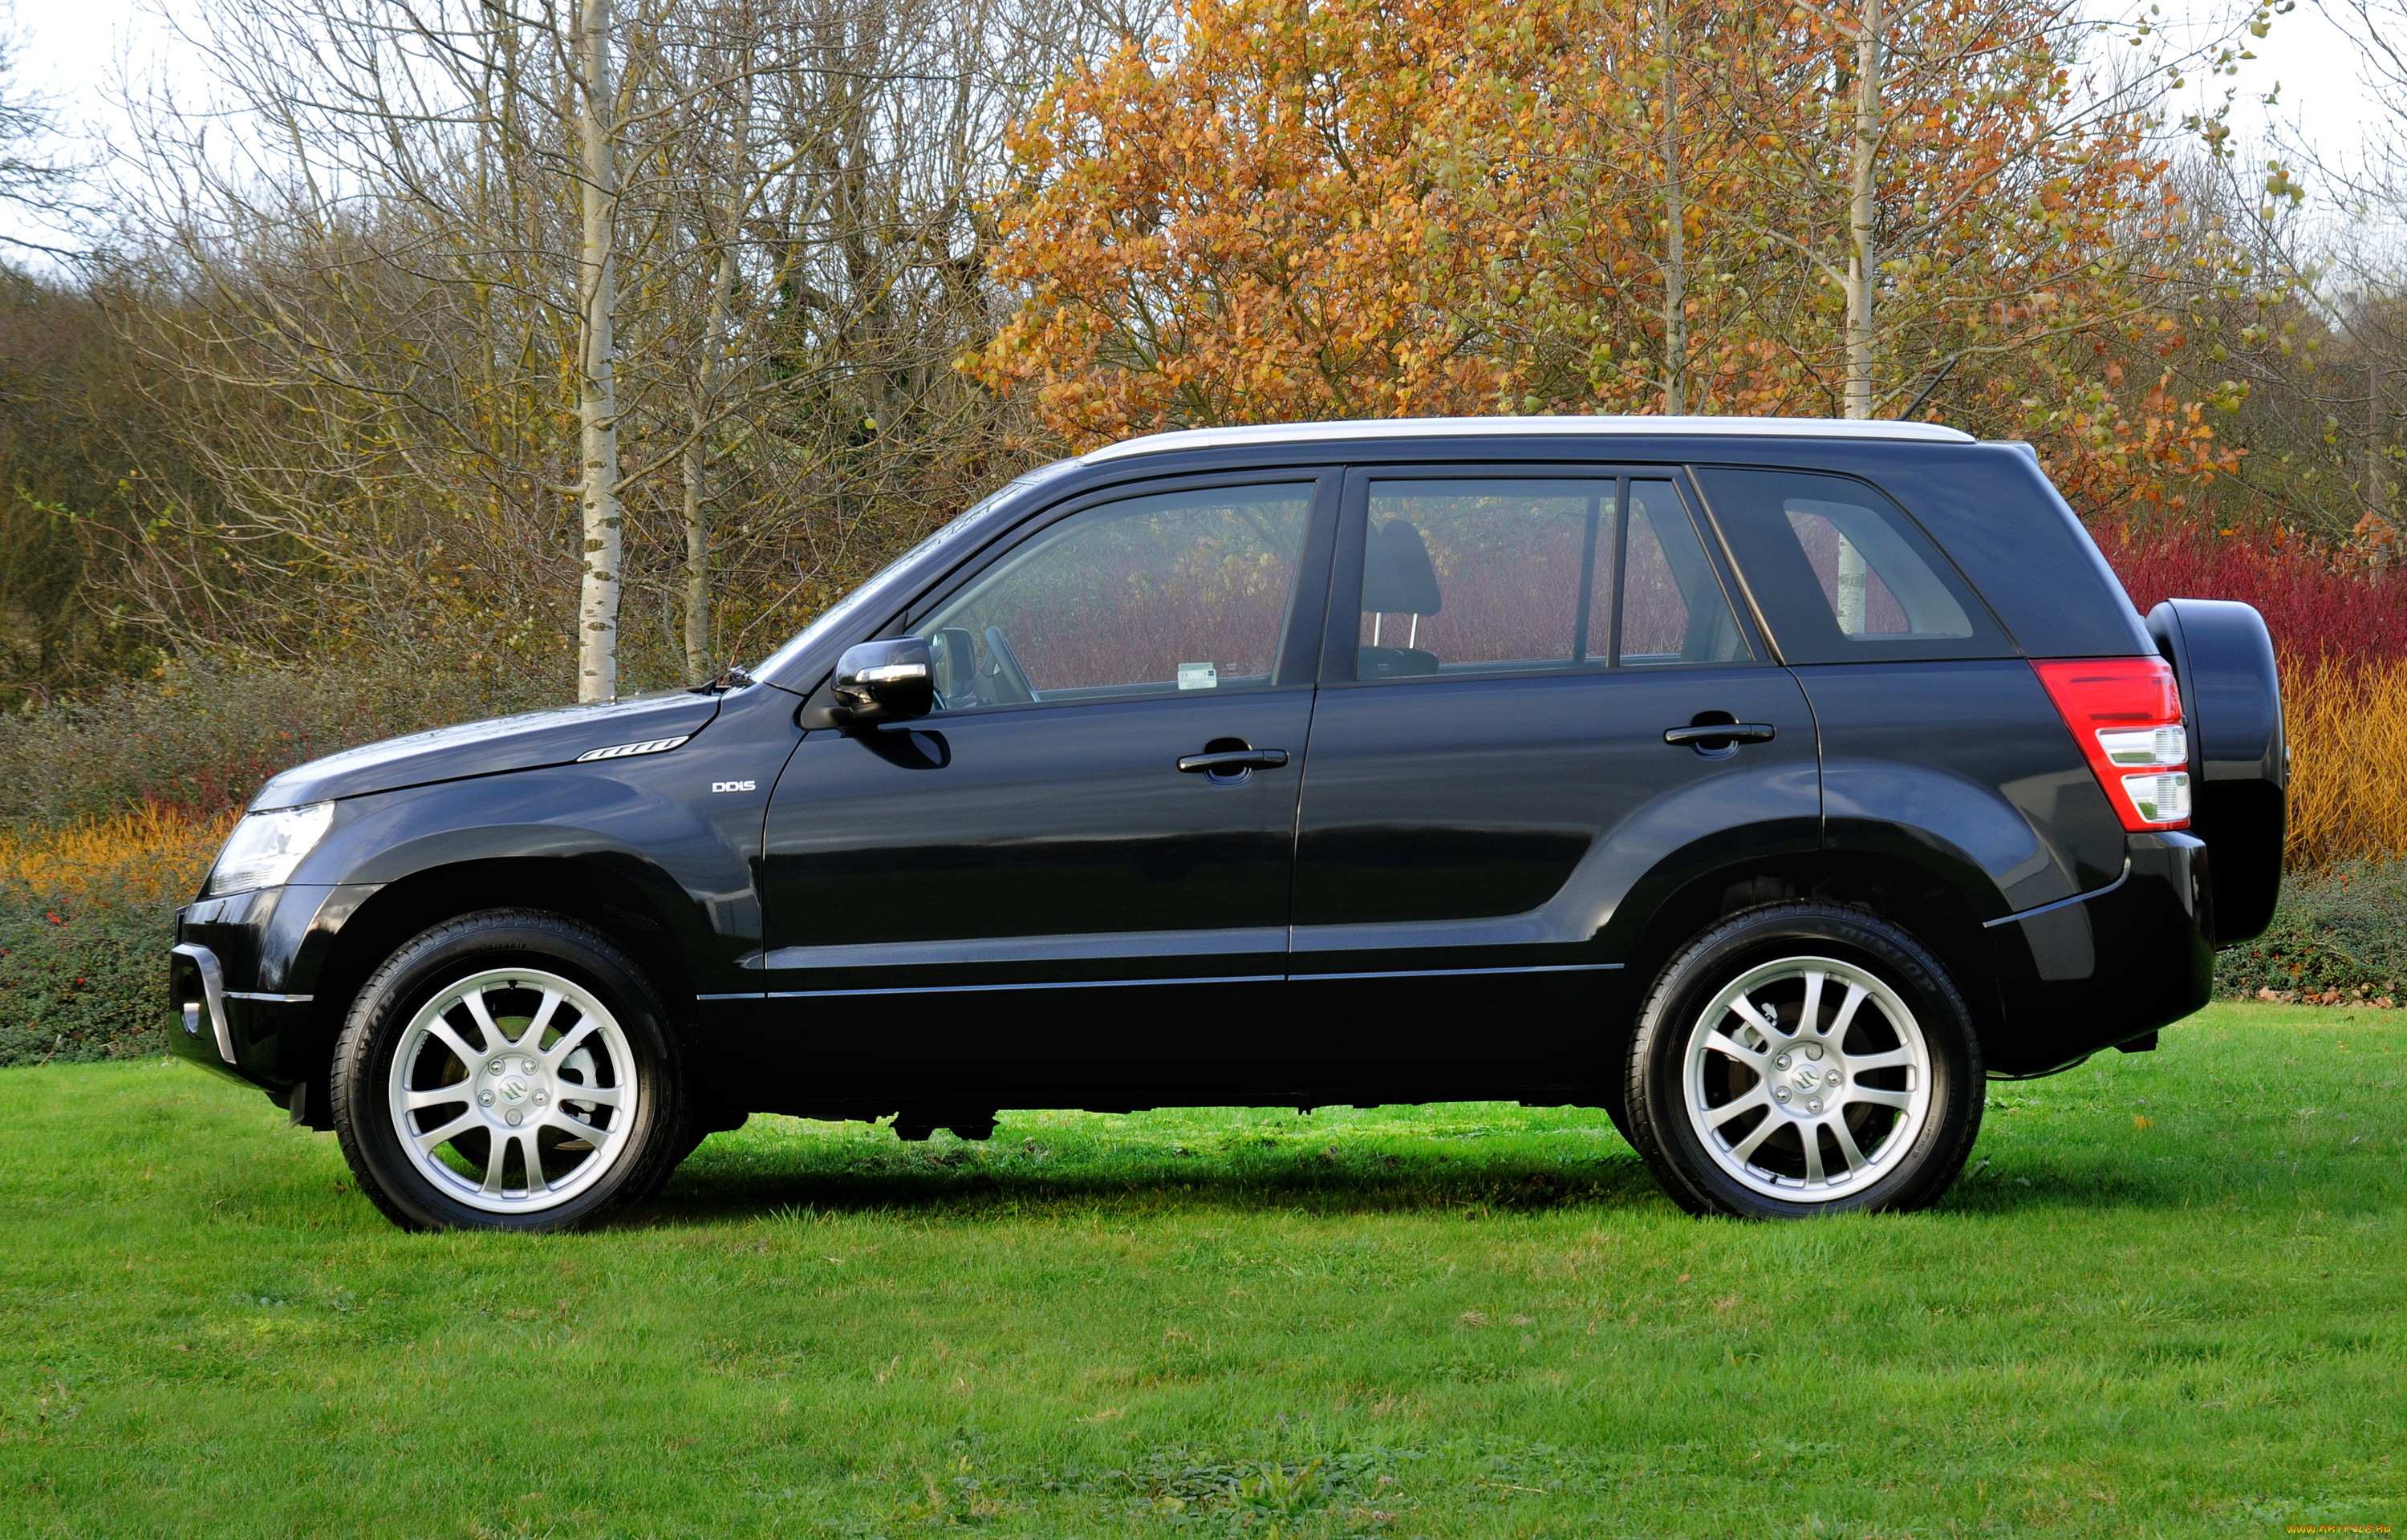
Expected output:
{"points": [[2107, 967]]}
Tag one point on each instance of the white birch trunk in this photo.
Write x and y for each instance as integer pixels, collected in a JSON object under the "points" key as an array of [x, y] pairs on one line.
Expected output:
{"points": [[597, 395], [1675, 221], [1863, 265]]}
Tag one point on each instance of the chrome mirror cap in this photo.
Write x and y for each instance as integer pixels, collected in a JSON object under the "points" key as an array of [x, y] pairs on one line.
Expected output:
{"points": [[888, 681]]}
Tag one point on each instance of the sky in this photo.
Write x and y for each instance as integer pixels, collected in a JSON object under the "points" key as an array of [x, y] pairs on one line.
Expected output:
{"points": [[70, 51]]}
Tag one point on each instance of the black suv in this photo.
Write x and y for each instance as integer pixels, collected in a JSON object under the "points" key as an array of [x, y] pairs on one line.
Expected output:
{"points": [[1767, 783]]}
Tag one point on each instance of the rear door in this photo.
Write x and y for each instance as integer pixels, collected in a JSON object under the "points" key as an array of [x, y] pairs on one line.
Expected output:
{"points": [[1490, 780]]}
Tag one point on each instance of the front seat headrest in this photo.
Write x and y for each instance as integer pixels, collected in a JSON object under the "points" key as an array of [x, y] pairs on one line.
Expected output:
{"points": [[1397, 576]]}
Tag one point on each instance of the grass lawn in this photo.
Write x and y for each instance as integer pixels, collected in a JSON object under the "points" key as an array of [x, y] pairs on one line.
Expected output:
{"points": [[2168, 1300]]}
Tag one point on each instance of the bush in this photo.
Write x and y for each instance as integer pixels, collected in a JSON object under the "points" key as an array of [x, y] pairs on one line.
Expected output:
{"points": [[112, 808], [2314, 609], [202, 740], [2339, 935], [2347, 727], [2343, 639], [86, 914]]}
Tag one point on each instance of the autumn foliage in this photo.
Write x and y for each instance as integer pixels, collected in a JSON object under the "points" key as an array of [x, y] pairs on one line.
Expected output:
{"points": [[2340, 633], [1400, 207], [2316, 608]]}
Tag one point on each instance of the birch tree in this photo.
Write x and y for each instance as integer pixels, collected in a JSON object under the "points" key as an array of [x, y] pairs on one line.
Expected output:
{"points": [[514, 325], [600, 121]]}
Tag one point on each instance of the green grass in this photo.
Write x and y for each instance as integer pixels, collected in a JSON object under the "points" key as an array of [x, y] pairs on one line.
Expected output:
{"points": [[2166, 1301]]}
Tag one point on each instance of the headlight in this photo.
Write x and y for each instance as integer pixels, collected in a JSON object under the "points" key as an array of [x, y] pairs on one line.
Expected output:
{"points": [[266, 846]]}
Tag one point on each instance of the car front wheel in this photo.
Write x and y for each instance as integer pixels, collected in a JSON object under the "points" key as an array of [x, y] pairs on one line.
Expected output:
{"points": [[506, 1070], [1801, 1059]]}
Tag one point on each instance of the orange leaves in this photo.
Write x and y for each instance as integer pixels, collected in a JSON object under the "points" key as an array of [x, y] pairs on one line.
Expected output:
{"points": [[1379, 208]]}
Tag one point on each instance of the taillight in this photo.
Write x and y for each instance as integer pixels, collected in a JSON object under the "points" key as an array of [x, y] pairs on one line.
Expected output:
{"points": [[2126, 715]]}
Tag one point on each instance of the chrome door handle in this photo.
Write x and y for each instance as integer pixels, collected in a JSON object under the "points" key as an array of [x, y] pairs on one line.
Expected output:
{"points": [[1231, 759], [1720, 732]]}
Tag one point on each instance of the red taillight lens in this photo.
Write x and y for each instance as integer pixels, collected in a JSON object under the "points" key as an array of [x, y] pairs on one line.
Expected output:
{"points": [[2126, 715]]}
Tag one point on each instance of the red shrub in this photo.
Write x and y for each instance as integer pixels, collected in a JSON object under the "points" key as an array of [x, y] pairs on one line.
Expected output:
{"points": [[2312, 609]]}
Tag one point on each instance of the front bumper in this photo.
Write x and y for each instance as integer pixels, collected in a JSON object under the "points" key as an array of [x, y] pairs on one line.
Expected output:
{"points": [[240, 981], [2107, 967], [237, 1032]]}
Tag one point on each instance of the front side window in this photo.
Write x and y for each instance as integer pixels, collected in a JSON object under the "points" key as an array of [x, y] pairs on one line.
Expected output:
{"points": [[1148, 596], [1509, 573], [1841, 573]]}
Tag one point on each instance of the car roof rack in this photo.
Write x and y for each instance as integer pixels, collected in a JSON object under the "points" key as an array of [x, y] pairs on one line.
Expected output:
{"points": [[1567, 427]]}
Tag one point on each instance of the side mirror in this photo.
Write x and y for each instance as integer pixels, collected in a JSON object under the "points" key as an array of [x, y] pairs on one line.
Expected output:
{"points": [[885, 682]]}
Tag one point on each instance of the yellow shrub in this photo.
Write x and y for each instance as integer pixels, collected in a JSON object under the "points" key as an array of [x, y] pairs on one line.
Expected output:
{"points": [[2347, 726], [142, 856]]}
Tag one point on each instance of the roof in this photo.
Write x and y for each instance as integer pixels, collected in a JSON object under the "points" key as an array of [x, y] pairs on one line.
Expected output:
{"points": [[1567, 427]]}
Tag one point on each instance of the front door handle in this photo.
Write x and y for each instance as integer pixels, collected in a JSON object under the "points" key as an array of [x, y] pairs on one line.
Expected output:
{"points": [[1230, 760], [1711, 735]]}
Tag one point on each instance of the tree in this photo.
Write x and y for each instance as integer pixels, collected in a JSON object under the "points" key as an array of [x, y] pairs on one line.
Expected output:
{"points": [[600, 123], [1378, 208], [28, 179], [632, 314]]}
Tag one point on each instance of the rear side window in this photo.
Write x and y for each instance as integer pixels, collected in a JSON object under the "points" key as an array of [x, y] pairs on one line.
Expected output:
{"points": [[1842, 575], [1482, 574], [1672, 608]]}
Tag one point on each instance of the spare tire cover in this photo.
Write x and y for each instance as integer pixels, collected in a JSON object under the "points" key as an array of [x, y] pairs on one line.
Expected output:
{"points": [[2239, 760]]}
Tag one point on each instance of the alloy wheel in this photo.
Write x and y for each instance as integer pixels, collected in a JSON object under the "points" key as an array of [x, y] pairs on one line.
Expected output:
{"points": [[513, 1090], [1806, 1080]]}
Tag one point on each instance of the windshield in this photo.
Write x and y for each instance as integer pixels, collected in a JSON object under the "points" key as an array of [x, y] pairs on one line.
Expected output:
{"points": [[888, 579]]}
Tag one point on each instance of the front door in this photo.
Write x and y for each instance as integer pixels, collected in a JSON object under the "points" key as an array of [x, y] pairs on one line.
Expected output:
{"points": [[1491, 783], [1075, 872]]}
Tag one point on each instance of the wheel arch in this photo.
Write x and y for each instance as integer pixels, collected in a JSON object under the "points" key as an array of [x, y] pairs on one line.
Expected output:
{"points": [[593, 891], [1923, 901]]}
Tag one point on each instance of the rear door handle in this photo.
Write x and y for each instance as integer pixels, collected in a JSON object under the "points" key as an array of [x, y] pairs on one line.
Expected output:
{"points": [[1231, 759], [1721, 732]]}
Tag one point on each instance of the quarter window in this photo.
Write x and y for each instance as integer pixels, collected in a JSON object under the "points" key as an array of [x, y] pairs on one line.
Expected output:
{"points": [[1841, 573], [1148, 596]]}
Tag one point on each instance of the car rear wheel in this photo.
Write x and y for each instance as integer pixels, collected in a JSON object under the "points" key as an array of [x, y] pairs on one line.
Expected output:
{"points": [[1804, 1058], [506, 1070]]}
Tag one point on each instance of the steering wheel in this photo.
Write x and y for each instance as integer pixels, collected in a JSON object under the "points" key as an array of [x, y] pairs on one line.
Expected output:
{"points": [[1005, 681]]}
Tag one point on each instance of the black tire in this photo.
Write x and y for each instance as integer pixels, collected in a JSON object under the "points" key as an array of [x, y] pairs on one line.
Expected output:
{"points": [[638, 1154], [1901, 1129]]}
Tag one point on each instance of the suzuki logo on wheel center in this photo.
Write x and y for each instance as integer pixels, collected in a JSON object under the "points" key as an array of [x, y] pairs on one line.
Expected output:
{"points": [[514, 1090]]}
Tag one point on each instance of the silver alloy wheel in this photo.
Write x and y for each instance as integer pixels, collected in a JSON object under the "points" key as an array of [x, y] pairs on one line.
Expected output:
{"points": [[525, 1079], [1796, 1090]]}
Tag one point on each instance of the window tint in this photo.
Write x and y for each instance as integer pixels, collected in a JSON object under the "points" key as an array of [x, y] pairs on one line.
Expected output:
{"points": [[1460, 574], [1843, 575], [1672, 608], [1149, 596], [1477, 575]]}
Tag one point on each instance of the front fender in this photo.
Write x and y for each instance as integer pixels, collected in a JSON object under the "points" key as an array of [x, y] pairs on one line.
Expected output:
{"points": [[646, 834], [690, 856]]}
